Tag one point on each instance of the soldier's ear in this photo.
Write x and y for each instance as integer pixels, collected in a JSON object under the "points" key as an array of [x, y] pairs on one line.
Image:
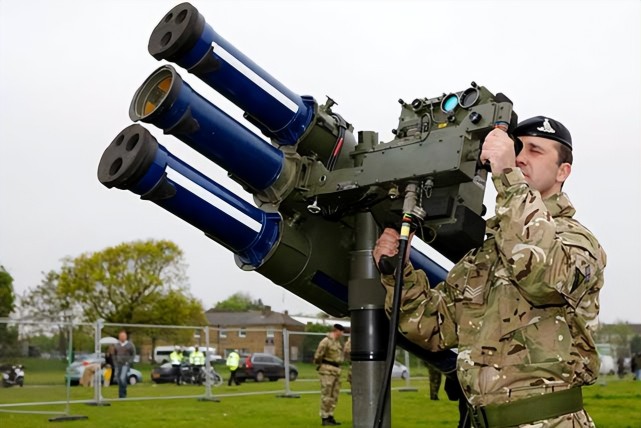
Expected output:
{"points": [[563, 172]]}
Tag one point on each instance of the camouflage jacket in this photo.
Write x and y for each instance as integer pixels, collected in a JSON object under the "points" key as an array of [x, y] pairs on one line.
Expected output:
{"points": [[329, 349], [521, 308]]}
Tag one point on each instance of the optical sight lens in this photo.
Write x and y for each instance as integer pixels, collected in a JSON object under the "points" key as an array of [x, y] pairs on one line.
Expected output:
{"points": [[449, 103], [470, 97]]}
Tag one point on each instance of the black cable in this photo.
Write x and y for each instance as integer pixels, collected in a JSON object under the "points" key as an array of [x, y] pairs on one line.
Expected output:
{"points": [[395, 315]]}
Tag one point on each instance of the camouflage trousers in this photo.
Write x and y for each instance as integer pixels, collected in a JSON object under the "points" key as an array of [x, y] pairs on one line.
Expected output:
{"points": [[330, 387], [573, 420], [435, 383]]}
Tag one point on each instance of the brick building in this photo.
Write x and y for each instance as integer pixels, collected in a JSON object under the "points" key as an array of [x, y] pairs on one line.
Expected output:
{"points": [[253, 331]]}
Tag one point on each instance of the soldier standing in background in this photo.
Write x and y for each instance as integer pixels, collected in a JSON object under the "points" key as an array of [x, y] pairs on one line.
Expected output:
{"points": [[435, 382], [523, 307], [328, 358]]}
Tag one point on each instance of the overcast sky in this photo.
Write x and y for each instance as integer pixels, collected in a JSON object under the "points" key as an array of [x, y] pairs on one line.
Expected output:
{"points": [[68, 71]]}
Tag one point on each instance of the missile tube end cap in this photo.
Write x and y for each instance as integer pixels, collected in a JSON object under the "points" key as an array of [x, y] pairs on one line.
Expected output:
{"points": [[126, 160], [176, 33]]}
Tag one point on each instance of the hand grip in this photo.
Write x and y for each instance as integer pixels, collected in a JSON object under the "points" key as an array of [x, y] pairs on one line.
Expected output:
{"points": [[387, 265]]}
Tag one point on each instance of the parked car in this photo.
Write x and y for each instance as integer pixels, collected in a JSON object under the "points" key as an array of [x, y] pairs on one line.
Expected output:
{"points": [[163, 374], [77, 368], [260, 366], [399, 370]]}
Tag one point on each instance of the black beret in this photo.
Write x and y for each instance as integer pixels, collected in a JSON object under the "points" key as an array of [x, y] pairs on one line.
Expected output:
{"points": [[339, 327], [541, 126]]}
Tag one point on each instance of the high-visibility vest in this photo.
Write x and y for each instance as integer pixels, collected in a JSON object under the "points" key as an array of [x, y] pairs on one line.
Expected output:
{"points": [[176, 357], [197, 358], [233, 360]]}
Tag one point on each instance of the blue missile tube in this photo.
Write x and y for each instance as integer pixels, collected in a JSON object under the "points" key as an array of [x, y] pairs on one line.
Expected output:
{"points": [[435, 273], [135, 161], [169, 103], [183, 37]]}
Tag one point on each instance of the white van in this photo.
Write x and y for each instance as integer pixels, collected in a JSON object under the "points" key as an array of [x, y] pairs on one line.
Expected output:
{"points": [[161, 354], [606, 355]]}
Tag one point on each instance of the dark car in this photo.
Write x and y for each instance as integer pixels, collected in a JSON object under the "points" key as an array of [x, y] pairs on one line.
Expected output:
{"points": [[165, 374], [259, 366]]}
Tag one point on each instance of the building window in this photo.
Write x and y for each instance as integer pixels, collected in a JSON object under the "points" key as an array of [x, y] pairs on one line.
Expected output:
{"points": [[242, 332], [222, 333], [270, 333]]}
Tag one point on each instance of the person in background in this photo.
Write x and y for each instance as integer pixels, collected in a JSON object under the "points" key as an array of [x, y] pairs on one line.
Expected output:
{"points": [[328, 358], [636, 365], [176, 359], [124, 354], [435, 382], [109, 361], [197, 361], [621, 367], [233, 361]]}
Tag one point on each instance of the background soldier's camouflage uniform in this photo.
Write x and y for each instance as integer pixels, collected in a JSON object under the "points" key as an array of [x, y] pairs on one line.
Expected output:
{"points": [[435, 382], [329, 349], [521, 309]]}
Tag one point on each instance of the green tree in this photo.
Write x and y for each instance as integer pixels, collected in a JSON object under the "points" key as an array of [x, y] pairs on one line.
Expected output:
{"points": [[310, 342], [618, 335], [8, 336], [239, 302], [7, 298], [635, 344], [173, 308], [48, 304], [45, 302], [122, 284]]}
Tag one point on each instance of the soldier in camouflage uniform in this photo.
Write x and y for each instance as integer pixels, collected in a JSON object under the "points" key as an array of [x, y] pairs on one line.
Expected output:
{"points": [[435, 382], [328, 358], [522, 308]]}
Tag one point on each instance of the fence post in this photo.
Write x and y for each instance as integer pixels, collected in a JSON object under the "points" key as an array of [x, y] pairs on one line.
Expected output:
{"points": [[407, 387], [97, 376], [67, 416], [288, 393], [208, 396]]}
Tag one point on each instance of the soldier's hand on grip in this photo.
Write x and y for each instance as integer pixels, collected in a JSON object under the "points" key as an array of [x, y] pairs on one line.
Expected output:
{"points": [[386, 244]]}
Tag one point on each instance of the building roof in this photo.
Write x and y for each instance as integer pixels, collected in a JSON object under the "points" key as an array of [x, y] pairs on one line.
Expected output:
{"points": [[345, 322], [266, 317]]}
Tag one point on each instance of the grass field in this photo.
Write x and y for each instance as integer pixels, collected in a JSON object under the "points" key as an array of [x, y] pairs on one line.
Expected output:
{"points": [[616, 403]]}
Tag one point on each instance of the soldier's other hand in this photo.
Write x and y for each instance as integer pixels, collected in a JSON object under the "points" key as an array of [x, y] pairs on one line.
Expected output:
{"points": [[386, 244], [498, 150]]}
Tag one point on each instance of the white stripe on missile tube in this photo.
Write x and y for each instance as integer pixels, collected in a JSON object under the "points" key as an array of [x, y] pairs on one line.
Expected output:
{"points": [[214, 200], [251, 75]]}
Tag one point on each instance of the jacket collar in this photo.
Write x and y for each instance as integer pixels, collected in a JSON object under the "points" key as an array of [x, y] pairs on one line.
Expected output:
{"points": [[558, 205]]}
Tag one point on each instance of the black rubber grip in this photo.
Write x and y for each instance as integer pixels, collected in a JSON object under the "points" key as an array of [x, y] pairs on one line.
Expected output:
{"points": [[387, 265]]}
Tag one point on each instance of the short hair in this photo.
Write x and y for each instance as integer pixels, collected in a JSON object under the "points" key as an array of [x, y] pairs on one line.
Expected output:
{"points": [[339, 327], [565, 154]]}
